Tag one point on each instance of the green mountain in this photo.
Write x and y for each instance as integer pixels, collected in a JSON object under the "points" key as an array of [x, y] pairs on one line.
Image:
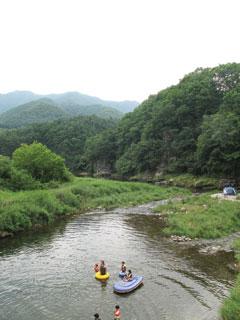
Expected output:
{"points": [[47, 110], [16, 98], [97, 110], [76, 98], [190, 127], [42, 110], [66, 137]]}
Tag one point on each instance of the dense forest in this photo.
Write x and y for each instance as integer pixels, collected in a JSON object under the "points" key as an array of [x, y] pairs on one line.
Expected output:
{"points": [[65, 137], [190, 127]]}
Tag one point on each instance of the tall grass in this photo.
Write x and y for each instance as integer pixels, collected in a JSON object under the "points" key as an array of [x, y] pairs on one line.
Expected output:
{"points": [[26, 209], [231, 306], [201, 217]]}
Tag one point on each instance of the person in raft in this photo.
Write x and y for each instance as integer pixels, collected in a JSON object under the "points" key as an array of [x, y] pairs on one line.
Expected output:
{"points": [[96, 316], [129, 276], [123, 267], [117, 313], [96, 267], [103, 269]]}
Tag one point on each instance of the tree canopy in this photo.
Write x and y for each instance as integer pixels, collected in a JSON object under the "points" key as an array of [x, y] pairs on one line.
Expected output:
{"points": [[40, 162], [64, 137]]}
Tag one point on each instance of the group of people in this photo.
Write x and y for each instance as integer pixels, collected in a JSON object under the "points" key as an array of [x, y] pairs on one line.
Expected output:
{"points": [[117, 314], [128, 275], [101, 267], [103, 270]]}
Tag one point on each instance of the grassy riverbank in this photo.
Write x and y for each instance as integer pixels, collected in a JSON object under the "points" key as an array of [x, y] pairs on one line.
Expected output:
{"points": [[206, 217], [231, 307], [27, 209], [201, 217]]}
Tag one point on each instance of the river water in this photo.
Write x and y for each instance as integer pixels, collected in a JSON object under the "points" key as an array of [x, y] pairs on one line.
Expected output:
{"points": [[49, 275]]}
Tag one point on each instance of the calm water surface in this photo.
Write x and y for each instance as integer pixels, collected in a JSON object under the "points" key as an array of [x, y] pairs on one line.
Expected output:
{"points": [[50, 275]]}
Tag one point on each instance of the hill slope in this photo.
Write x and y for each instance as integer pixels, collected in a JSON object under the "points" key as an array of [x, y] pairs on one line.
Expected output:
{"points": [[42, 110], [16, 98], [97, 110], [46, 110], [66, 137], [191, 127]]}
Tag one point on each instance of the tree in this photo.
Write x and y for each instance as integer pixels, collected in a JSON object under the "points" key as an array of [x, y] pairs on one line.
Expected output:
{"points": [[218, 148], [40, 162], [5, 167]]}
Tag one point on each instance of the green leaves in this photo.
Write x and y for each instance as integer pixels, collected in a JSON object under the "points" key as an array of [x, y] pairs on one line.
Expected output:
{"points": [[218, 149], [40, 162]]}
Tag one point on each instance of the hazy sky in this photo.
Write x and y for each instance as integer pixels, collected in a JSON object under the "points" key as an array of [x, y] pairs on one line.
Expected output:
{"points": [[126, 49]]}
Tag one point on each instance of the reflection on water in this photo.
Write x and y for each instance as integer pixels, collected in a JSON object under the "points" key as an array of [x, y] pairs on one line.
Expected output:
{"points": [[49, 275]]}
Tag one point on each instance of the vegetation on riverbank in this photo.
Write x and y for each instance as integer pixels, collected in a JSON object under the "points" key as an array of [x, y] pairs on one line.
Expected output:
{"points": [[187, 180], [231, 307], [193, 182], [25, 209], [201, 217], [32, 167]]}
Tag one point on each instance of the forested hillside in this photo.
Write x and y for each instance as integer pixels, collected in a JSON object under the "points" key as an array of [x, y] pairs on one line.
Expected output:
{"points": [[65, 137], [98, 110], [38, 111], [191, 127], [47, 110]]}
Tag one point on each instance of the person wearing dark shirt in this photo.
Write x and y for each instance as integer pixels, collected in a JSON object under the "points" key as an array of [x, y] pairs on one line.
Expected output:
{"points": [[129, 276], [103, 269]]}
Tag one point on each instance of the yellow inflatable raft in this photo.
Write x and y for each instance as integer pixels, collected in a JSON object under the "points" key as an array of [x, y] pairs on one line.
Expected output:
{"points": [[102, 277]]}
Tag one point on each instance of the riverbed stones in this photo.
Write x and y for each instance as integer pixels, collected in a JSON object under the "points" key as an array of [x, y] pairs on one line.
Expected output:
{"points": [[5, 234], [210, 249], [180, 238]]}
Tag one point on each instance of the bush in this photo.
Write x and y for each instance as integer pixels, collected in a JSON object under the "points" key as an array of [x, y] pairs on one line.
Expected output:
{"points": [[41, 163], [5, 167], [21, 180]]}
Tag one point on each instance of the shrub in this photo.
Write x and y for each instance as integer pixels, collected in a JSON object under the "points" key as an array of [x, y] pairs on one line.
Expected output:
{"points": [[41, 163]]}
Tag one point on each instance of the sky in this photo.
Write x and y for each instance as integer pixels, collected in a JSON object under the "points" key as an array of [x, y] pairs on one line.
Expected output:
{"points": [[113, 49]]}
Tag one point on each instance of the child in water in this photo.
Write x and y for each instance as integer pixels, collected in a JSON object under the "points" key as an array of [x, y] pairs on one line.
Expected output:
{"points": [[96, 267], [96, 316], [117, 313], [123, 267], [129, 276]]}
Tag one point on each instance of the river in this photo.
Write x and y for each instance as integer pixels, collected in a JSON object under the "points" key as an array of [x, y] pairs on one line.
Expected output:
{"points": [[49, 275]]}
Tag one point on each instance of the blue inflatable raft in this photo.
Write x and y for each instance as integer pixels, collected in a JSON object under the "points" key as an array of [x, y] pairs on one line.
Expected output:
{"points": [[128, 286], [122, 274]]}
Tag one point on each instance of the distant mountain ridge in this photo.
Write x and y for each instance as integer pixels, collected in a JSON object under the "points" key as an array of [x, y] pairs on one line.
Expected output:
{"points": [[16, 98], [37, 111], [47, 110]]}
